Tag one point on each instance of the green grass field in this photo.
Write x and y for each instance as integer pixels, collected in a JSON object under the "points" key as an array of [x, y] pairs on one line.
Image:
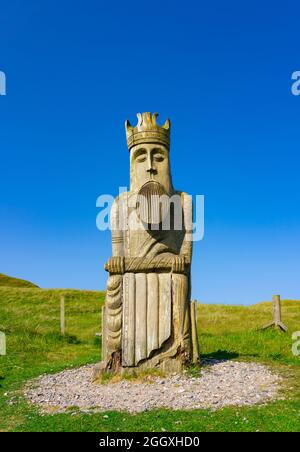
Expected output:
{"points": [[30, 318], [8, 281]]}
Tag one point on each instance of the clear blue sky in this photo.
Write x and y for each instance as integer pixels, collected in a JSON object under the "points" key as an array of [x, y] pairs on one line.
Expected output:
{"points": [[220, 70]]}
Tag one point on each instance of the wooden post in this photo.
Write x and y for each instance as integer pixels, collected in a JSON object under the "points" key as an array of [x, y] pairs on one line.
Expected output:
{"points": [[277, 309], [62, 315], [195, 342], [277, 322], [2, 344]]}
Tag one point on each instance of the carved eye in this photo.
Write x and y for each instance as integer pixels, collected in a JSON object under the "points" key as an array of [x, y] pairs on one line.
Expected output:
{"points": [[141, 158], [159, 157]]}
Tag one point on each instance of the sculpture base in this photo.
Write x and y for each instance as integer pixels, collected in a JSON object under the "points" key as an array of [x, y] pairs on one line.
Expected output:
{"points": [[165, 367]]}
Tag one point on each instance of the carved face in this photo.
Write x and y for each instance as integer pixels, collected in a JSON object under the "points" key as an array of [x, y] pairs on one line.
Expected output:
{"points": [[150, 162]]}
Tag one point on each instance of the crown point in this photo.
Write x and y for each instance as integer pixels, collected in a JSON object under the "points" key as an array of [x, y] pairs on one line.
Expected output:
{"points": [[154, 116], [128, 127], [167, 125]]}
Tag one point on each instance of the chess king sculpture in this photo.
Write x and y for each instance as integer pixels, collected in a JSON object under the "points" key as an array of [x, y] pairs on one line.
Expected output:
{"points": [[147, 318]]}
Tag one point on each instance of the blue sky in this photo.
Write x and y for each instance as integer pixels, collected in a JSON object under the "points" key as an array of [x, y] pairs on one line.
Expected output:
{"points": [[220, 70]]}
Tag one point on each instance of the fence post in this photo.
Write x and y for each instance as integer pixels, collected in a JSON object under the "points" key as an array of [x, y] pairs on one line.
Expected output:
{"points": [[277, 322], [62, 315]]}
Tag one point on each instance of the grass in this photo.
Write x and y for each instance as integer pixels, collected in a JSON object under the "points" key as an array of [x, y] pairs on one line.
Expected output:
{"points": [[30, 319], [8, 281]]}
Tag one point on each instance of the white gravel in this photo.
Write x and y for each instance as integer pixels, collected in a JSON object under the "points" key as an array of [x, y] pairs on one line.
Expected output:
{"points": [[219, 384]]}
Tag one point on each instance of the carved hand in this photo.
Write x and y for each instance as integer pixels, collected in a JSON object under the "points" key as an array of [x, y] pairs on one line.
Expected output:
{"points": [[115, 265], [120, 265], [178, 264]]}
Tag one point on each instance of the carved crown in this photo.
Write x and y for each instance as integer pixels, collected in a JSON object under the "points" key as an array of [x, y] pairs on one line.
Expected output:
{"points": [[147, 131]]}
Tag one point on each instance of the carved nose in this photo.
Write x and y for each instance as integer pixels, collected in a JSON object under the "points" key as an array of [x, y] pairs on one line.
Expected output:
{"points": [[149, 162], [150, 168], [152, 171]]}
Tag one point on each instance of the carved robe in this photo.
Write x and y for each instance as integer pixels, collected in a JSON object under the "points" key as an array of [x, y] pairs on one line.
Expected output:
{"points": [[147, 311]]}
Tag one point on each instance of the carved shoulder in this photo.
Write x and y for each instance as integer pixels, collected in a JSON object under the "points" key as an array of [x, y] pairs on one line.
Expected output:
{"points": [[117, 210], [187, 206]]}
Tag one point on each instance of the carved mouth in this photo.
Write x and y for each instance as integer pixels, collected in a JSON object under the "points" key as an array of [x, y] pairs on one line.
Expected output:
{"points": [[152, 203]]}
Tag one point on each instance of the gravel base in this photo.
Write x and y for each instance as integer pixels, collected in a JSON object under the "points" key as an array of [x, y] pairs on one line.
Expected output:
{"points": [[219, 384]]}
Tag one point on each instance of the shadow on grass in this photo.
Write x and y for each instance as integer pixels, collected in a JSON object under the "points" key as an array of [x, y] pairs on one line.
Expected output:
{"points": [[67, 338], [220, 355], [1, 379]]}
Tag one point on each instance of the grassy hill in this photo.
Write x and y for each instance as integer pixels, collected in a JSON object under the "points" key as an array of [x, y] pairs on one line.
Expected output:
{"points": [[30, 319], [8, 281]]}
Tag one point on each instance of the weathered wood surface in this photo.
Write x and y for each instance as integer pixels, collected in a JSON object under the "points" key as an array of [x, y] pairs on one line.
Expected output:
{"points": [[195, 342]]}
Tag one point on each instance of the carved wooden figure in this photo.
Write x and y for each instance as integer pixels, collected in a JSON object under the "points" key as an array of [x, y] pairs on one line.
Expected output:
{"points": [[147, 313]]}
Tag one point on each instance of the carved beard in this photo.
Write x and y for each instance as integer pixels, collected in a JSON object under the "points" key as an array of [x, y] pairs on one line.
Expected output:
{"points": [[152, 204]]}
